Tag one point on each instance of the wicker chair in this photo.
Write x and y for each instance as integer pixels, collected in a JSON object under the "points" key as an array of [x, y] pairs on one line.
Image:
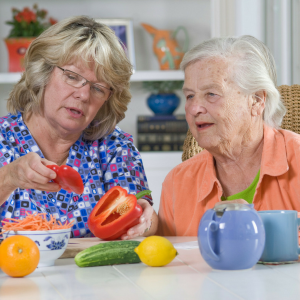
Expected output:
{"points": [[291, 121]]}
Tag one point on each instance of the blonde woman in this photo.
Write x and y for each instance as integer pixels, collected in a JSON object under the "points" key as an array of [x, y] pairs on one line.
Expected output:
{"points": [[64, 110]]}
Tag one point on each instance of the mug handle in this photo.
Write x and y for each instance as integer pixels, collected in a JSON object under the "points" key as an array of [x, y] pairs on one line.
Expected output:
{"points": [[206, 246]]}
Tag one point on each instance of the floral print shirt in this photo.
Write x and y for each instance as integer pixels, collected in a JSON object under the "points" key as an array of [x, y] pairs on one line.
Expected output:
{"points": [[102, 164]]}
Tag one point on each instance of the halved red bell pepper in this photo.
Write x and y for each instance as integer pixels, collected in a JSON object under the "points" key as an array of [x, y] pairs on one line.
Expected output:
{"points": [[68, 178], [115, 213]]}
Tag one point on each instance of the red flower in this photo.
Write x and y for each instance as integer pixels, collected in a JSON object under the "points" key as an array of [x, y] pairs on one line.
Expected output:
{"points": [[52, 21], [28, 15], [29, 21], [18, 17]]}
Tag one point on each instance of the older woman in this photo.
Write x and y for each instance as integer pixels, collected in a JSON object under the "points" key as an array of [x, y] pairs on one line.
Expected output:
{"points": [[64, 110], [234, 111]]}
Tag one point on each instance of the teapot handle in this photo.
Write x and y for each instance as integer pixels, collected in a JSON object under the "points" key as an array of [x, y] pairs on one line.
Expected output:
{"points": [[206, 246], [186, 41]]}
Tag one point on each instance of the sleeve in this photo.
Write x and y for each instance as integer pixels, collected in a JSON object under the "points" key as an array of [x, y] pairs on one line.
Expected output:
{"points": [[6, 153], [166, 224], [125, 168], [6, 157]]}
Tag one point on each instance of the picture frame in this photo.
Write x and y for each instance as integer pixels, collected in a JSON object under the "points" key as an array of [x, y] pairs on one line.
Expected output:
{"points": [[123, 29]]}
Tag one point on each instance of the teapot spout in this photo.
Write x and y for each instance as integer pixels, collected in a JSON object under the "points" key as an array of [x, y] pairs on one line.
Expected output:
{"points": [[149, 28]]}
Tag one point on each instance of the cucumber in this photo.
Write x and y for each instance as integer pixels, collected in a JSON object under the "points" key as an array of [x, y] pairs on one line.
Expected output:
{"points": [[109, 253]]}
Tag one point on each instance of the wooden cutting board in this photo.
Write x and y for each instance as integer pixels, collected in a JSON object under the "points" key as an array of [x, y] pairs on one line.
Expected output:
{"points": [[77, 245]]}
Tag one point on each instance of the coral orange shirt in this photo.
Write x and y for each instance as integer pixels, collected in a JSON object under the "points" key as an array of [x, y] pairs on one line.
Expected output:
{"points": [[192, 187]]}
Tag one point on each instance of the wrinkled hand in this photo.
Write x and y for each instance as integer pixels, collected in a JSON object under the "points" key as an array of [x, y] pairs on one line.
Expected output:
{"points": [[242, 201], [30, 172], [145, 221]]}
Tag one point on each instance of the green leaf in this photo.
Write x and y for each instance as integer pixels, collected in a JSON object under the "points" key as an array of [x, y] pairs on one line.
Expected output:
{"points": [[162, 86]]}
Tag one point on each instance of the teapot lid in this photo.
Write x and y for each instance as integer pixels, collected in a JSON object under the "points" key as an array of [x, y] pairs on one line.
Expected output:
{"points": [[221, 208]]}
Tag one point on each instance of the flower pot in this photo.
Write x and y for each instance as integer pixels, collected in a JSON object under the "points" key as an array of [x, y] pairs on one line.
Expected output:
{"points": [[16, 48], [163, 104]]}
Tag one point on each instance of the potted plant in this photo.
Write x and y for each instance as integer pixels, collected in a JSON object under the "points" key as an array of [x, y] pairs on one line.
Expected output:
{"points": [[26, 26], [163, 100]]}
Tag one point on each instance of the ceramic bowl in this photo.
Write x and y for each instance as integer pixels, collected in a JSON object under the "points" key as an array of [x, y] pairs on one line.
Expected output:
{"points": [[51, 244]]}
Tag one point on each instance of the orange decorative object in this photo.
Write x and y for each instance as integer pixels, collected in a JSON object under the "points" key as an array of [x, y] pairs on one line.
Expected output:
{"points": [[166, 47], [16, 48], [19, 256]]}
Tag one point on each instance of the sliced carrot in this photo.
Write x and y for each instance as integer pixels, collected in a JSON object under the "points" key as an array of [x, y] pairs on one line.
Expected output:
{"points": [[36, 221]]}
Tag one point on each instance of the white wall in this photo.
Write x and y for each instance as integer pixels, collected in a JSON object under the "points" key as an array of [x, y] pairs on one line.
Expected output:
{"points": [[163, 14], [156, 169]]}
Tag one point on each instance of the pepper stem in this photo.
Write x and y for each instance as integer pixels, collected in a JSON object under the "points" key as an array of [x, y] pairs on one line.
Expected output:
{"points": [[143, 193]]}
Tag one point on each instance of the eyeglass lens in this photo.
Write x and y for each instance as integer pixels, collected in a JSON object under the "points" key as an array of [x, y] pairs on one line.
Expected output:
{"points": [[78, 81]]}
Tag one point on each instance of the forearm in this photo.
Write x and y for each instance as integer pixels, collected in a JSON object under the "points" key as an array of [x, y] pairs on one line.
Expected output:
{"points": [[5, 187]]}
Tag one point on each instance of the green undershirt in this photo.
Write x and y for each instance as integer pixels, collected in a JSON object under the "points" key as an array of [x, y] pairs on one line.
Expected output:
{"points": [[246, 194]]}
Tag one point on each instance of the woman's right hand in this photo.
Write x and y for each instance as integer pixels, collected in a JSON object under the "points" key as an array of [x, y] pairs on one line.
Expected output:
{"points": [[30, 172]]}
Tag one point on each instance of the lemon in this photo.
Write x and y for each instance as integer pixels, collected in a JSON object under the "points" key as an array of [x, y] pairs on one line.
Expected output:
{"points": [[156, 251]]}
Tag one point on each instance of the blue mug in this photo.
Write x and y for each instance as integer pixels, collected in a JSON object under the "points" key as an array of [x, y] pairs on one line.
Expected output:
{"points": [[281, 227]]}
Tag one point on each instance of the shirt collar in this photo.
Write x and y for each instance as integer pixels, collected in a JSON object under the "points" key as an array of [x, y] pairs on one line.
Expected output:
{"points": [[274, 157], [274, 161], [209, 178]]}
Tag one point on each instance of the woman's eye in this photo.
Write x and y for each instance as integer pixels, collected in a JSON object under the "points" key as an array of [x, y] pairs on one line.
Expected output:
{"points": [[189, 97], [211, 94], [72, 77], [98, 89]]}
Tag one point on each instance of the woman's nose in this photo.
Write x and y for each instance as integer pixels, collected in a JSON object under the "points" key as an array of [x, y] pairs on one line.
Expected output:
{"points": [[195, 107], [83, 92]]}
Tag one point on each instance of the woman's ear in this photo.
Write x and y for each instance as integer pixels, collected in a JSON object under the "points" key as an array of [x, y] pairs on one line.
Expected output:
{"points": [[259, 102]]}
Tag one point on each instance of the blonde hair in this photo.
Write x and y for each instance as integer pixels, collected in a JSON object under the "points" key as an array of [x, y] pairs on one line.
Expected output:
{"points": [[254, 69], [73, 39]]}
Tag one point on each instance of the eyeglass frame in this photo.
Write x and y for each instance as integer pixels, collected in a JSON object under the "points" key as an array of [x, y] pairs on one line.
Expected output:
{"points": [[88, 81]]}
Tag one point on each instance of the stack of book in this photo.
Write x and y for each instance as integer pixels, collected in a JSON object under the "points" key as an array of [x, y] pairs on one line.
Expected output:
{"points": [[161, 133]]}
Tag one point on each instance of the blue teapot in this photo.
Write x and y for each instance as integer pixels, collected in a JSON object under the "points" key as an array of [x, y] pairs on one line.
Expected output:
{"points": [[231, 236]]}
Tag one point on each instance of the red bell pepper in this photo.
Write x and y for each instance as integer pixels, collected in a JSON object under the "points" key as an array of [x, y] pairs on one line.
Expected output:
{"points": [[115, 213], [68, 178]]}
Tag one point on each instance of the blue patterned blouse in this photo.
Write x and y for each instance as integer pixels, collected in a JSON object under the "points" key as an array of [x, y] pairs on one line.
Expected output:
{"points": [[102, 164]]}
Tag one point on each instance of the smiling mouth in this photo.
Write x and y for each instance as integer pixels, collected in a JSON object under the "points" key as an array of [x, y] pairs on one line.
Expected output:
{"points": [[204, 125]]}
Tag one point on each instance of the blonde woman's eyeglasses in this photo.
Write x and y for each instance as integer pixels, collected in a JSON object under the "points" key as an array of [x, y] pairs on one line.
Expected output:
{"points": [[73, 79]]}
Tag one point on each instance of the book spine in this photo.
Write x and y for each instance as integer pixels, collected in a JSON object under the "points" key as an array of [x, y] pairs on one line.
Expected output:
{"points": [[166, 138], [179, 126], [161, 118], [160, 147]]}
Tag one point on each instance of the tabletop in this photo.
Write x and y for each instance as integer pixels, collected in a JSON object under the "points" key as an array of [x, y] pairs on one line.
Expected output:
{"points": [[186, 277]]}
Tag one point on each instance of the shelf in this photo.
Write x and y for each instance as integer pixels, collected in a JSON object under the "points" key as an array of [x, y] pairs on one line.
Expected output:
{"points": [[6, 78], [9, 77], [157, 75]]}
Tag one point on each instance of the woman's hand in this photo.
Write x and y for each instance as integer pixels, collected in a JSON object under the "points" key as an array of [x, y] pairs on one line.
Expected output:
{"points": [[30, 172], [147, 225]]}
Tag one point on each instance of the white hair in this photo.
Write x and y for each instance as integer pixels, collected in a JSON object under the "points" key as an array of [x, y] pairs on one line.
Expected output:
{"points": [[253, 69]]}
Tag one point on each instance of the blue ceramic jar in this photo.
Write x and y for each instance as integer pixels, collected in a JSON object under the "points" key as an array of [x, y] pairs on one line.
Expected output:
{"points": [[163, 104], [231, 236]]}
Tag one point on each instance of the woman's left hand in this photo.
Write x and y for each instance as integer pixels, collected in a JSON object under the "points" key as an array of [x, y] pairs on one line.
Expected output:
{"points": [[147, 225]]}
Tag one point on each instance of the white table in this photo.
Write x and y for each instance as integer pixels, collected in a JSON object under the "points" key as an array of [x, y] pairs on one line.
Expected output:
{"points": [[186, 277]]}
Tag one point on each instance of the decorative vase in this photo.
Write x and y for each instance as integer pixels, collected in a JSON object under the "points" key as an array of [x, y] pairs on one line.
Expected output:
{"points": [[166, 48], [163, 104], [16, 48]]}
